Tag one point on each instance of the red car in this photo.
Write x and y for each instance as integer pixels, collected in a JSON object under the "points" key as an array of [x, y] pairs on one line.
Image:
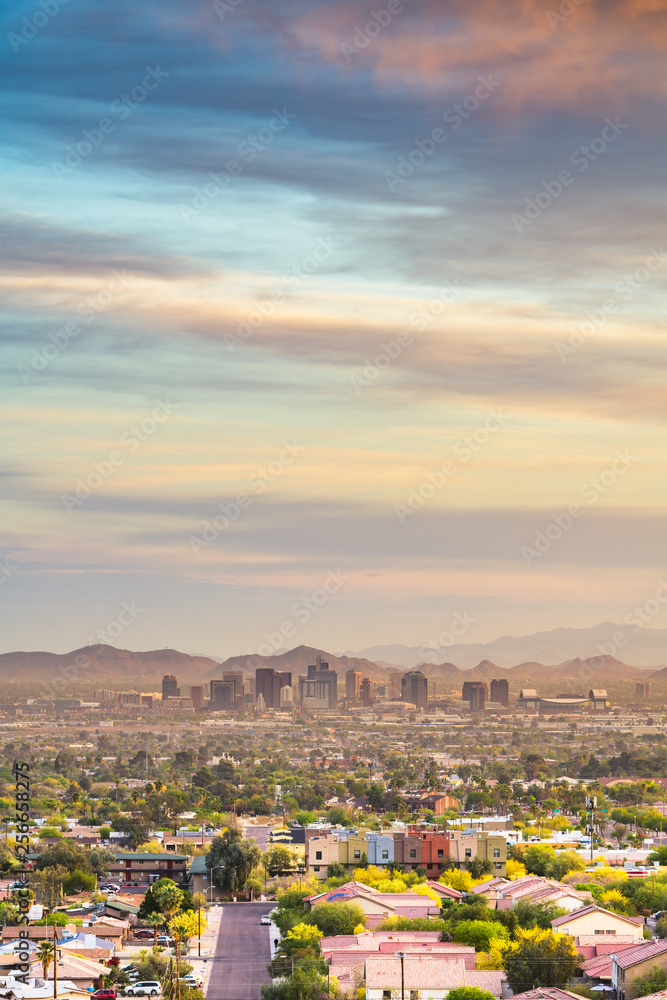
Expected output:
{"points": [[105, 994], [143, 933]]}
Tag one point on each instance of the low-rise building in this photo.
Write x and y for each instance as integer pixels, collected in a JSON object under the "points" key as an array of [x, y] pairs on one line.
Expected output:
{"points": [[633, 963], [594, 920]]}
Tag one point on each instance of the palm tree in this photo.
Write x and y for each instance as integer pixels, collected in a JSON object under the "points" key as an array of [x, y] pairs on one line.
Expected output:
{"points": [[45, 954], [157, 920]]}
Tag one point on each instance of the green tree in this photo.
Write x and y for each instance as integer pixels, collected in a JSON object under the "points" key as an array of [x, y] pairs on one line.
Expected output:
{"points": [[233, 859], [654, 981], [537, 858], [163, 898], [481, 934], [337, 918], [539, 958], [530, 914], [564, 862], [469, 993], [278, 859], [45, 953], [78, 881]]}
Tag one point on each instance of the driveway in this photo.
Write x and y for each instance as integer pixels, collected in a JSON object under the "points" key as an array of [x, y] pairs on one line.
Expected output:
{"points": [[242, 953]]}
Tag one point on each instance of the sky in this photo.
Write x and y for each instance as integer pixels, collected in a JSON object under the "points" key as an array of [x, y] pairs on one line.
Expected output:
{"points": [[329, 322]]}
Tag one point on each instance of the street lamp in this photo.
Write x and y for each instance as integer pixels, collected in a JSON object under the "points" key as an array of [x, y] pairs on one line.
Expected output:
{"points": [[401, 955], [211, 887]]}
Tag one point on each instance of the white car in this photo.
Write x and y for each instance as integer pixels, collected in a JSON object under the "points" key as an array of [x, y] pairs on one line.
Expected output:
{"points": [[266, 918], [151, 987]]}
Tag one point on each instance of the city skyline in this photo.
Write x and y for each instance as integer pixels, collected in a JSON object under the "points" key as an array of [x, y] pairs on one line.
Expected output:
{"points": [[334, 323]]}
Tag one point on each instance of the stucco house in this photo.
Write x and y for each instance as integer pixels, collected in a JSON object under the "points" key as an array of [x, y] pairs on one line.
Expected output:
{"points": [[632, 963], [597, 921]]}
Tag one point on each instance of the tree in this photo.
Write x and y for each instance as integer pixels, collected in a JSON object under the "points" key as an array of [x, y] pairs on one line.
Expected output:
{"points": [[481, 934], [469, 993], [163, 898], [530, 914], [336, 870], [65, 854], [233, 859], [337, 918], [564, 862], [479, 867], [278, 859], [45, 953], [539, 958], [10, 915], [537, 858], [654, 981], [78, 881], [136, 829]]}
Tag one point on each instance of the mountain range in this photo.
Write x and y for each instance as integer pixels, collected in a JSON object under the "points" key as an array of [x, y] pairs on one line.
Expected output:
{"points": [[640, 646], [553, 662]]}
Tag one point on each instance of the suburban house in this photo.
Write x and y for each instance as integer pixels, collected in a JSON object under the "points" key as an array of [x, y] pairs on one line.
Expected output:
{"points": [[632, 963], [199, 879], [593, 920], [379, 905], [423, 976], [502, 894]]}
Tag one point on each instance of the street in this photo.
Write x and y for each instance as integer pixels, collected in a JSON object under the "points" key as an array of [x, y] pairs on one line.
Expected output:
{"points": [[260, 834], [242, 953]]}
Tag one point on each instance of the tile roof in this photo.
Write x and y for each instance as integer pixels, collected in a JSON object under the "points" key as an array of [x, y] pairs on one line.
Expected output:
{"points": [[586, 910], [428, 972], [639, 953], [603, 944], [547, 993]]}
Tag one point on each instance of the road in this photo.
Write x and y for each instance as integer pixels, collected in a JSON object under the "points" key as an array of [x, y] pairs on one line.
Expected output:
{"points": [[242, 953], [260, 834]]}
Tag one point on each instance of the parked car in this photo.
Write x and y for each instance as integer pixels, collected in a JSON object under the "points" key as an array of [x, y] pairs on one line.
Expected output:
{"points": [[164, 939], [110, 887], [143, 932], [265, 919], [105, 994], [18, 885], [151, 987], [192, 980]]}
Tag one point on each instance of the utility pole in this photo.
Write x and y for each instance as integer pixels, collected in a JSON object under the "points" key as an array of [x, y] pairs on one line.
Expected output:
{"points": [[55, 962], [401, 955], [591, 803], [199, 931]]}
